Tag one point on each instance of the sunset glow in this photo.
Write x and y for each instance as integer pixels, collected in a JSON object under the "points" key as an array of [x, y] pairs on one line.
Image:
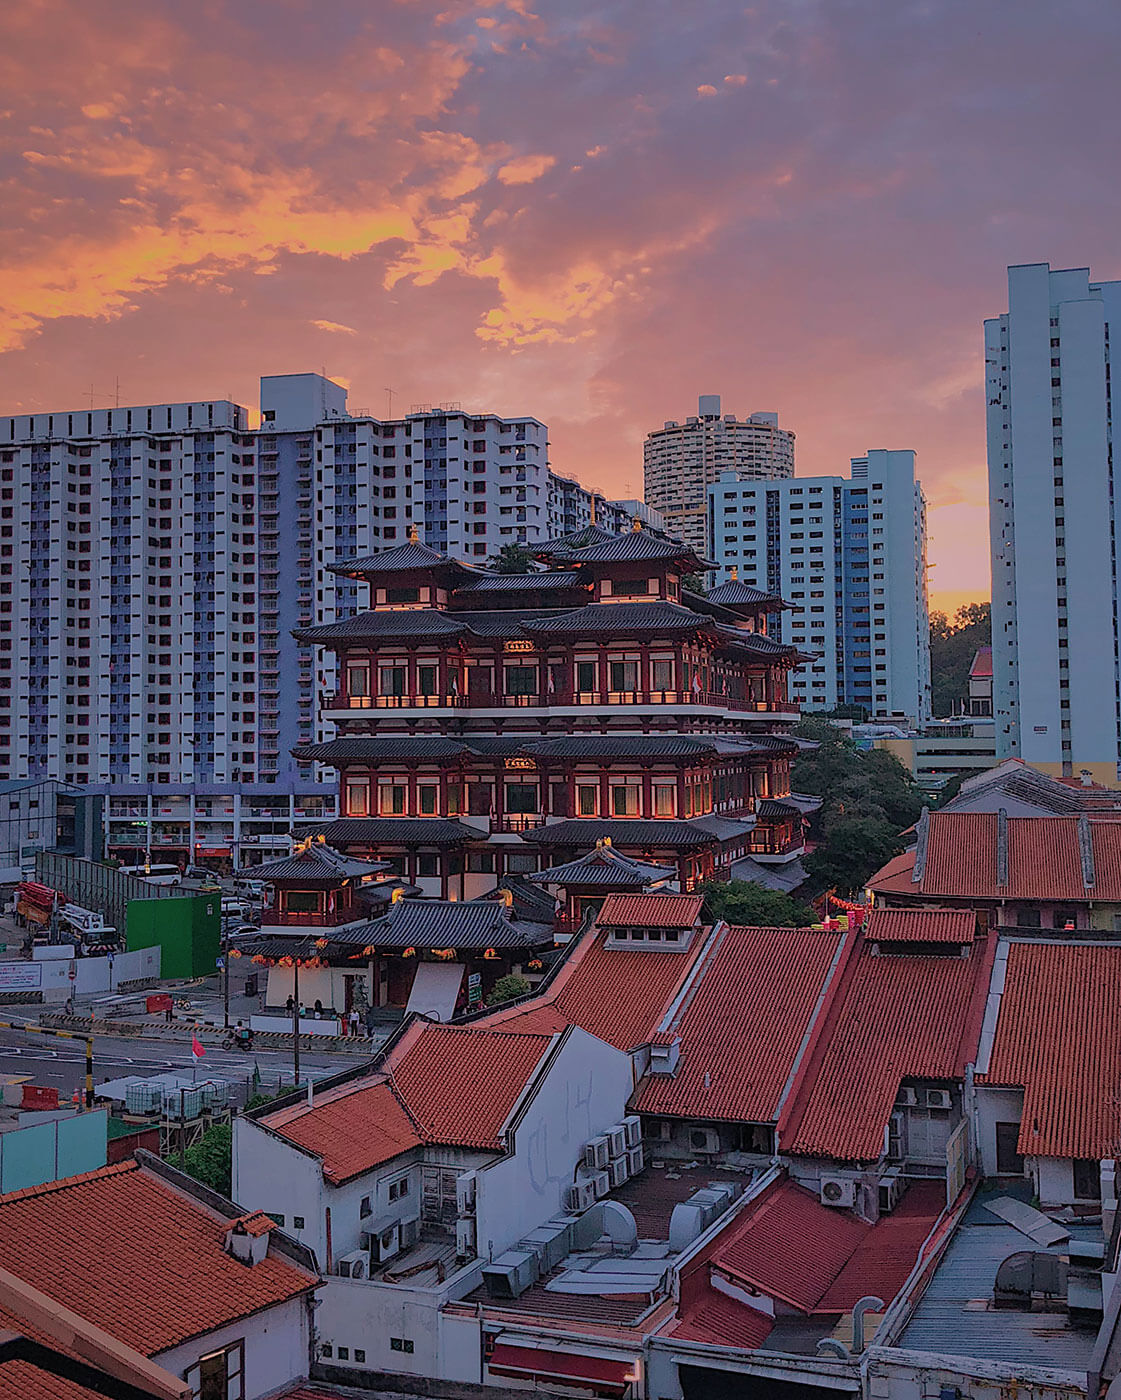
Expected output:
{"points": [[587, 212]]}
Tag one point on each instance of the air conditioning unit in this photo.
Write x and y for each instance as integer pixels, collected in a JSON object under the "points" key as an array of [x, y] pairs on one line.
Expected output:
{"points": [[464, 1239], [356, 1264], [633, 1128], [410, 1229], [705, 1140], [891, 1188], [383, 1244], [616, 1140], [618, 1171], [908, 1098], [837, 1191], [581, 1196], [596, 1154], [465, 1193], [636, 1160], [938, 1098], [602, 1181]]}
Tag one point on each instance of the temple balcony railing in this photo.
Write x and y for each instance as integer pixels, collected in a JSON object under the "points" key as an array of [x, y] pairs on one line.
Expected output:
{"points": [[294, 918], [515, 823], [495, 700]]}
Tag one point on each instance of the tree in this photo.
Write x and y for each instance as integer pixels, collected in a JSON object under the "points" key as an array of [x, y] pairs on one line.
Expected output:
{"points": [[695, 583], [512, 559], [868, 798], [853, 850], [210, 1160], [508, 988], [746, 902], [952, 645]]}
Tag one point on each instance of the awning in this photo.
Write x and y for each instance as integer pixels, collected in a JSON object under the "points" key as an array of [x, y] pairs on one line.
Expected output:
{"points": [[435, 989], [602, 1374]]}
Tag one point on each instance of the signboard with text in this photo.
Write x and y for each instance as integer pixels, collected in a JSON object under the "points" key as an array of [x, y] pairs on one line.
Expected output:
{"points": [[18, 976]]}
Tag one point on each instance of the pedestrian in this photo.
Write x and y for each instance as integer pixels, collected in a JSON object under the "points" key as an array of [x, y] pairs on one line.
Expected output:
{"points": [[289, 1005], [69, 1006], [354, 1020], [168, 1013]]}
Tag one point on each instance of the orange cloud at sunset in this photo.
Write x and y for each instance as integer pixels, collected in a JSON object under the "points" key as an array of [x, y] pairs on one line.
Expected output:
{"points": [[564, 210]]}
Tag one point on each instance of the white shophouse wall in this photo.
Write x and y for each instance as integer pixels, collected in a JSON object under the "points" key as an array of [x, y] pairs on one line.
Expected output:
{"points": [[276, 1348], [584, 1091]]}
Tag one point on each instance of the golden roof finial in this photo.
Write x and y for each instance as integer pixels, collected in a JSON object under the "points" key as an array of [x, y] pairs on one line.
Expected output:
{"points": [[735, 572], [414, 534], [636, 524]]}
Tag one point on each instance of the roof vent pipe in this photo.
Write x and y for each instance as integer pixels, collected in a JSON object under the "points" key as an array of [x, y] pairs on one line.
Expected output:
{"points": [[865, 1305], [830, 1346]]}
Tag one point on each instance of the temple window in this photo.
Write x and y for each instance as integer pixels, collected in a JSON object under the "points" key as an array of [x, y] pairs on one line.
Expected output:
{"points": [[358, 799], [426, 680], [391, 799], [587, 799], [625, 799], [586, 676], [427, 799], [665, 799], [392, 680]]}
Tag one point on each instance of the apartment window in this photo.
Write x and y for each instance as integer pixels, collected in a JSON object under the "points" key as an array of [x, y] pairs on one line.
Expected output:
{"points": [[220, 1375]]}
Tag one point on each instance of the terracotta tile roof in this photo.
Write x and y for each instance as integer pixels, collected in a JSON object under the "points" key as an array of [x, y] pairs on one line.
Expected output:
{"points": [[982, 664], [922, 926], [715, 1318], [650, 910], [821, 1260], [789, 1246], [19, 1380], [618, 994], [912, 1016], [460, 1082], [883, 1260], [144, 1260], [1058, 1035], [440, 1084], [743, 1025], [1044, 860], [352, 1129]]}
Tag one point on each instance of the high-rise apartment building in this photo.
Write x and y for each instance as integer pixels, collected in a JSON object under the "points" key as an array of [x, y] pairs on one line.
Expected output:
{"points": [[849, 557], [154, 561], [1051, 499], [682, 460]]}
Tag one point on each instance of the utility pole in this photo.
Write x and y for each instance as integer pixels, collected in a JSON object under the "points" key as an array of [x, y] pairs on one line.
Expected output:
{"points": [[225, 979], [296, 1020]]}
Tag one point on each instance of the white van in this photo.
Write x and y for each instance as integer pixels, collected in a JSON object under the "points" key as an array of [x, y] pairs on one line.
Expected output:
{"points": [[155, 874], [256, 891]]}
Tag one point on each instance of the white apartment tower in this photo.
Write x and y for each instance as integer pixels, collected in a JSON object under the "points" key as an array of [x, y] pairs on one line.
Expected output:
{"points": [[682, 460], [1054, 564], [848, 554]]}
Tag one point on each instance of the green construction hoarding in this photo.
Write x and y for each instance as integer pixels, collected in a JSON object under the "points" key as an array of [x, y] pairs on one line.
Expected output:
{"points": [[187, 930]]}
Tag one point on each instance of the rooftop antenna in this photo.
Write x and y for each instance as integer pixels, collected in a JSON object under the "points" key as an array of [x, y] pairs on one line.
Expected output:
{"points": [[117, 392], [91, 397], [390, 394]]}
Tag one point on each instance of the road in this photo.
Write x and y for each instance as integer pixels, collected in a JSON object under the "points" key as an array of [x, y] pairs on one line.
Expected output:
{"points": [[61, 1064]]}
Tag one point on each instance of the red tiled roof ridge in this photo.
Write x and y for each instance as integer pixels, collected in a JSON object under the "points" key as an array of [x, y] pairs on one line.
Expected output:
{"points": [[63, 1182]]}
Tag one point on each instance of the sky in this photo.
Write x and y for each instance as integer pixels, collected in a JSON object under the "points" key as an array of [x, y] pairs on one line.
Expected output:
{"points": [[588, 212]]}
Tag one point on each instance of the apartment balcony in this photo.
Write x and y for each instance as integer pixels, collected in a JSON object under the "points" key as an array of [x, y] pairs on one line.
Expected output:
{"points": [[515, 823]]}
